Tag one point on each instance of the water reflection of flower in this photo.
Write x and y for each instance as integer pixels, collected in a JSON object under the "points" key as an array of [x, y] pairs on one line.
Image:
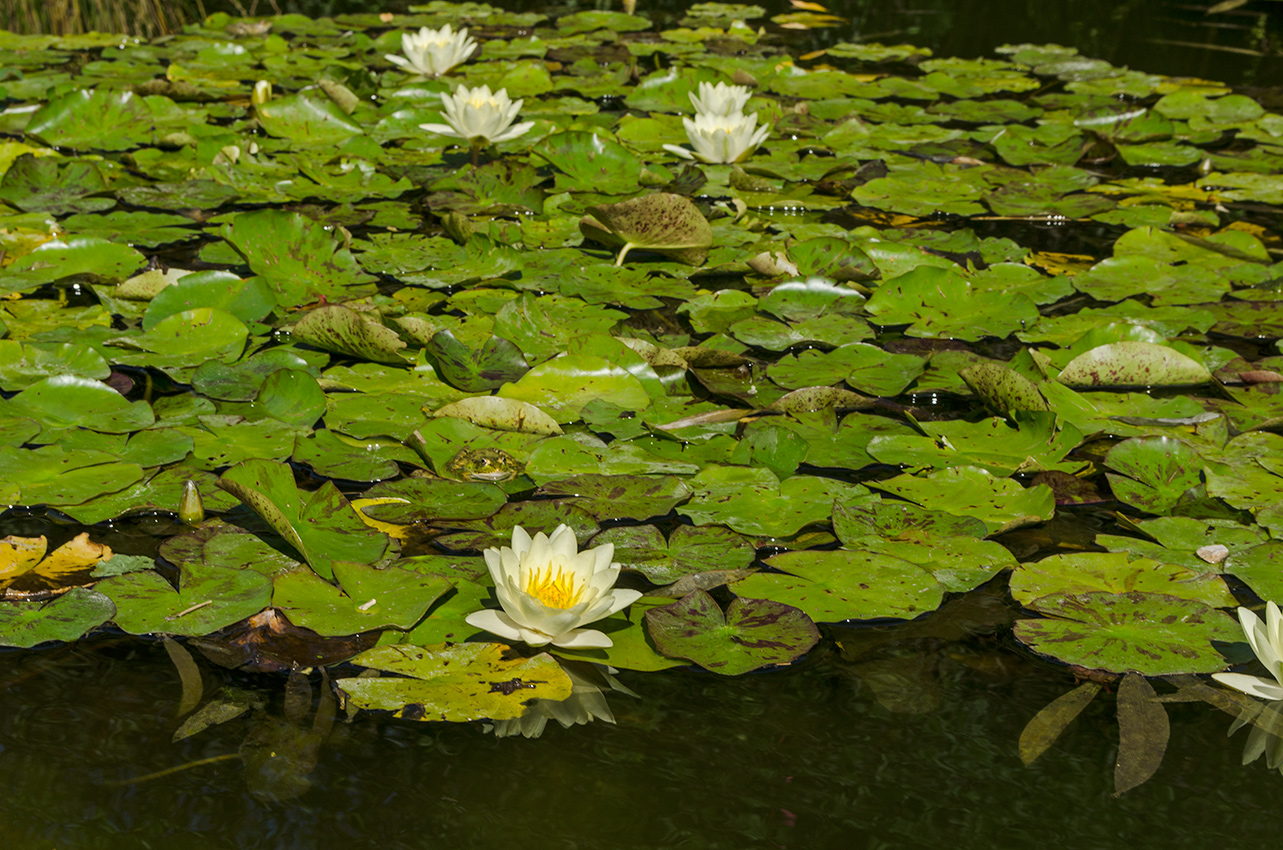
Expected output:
{"points": [[433, 52], [1266, 640], [548, 589], [479, 116], [586, 703]]}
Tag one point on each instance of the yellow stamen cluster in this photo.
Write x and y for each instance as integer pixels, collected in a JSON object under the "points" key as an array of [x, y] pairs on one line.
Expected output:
{"points": [[556, 590]]}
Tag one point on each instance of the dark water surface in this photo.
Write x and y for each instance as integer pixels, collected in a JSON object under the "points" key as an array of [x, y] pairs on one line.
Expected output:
{"points": [[1241, 47], [804, 758]]}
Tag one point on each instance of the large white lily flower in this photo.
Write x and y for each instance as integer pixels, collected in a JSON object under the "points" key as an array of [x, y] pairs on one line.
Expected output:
{"points": [[433, 52], [720, 99], [721, 138], [1266, 640], [476, 114], [548, 589]]}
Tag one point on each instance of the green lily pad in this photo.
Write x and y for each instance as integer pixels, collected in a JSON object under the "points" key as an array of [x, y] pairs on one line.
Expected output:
{"points": [[1133, 364], [50, 475], [298, 258], [66, 401], [1084, 572], [1161, 472], [24, 364], [367, 598], [751, 634], [1039, 442], [292, 396], [434, 499], [565, 384], [335, 456], [306, 120], [88, 119], [497, 362], [321, 526], [754, 501], [68, 617], [501, 414], [589, 163], [44, 184], [1150, 633], [471, 681], [343, 330], [208, 599], [76, 255], [249, 300], [620, 496], [687, 551], [559, 457], [832, 586], [1002, 504], [942, 303]]}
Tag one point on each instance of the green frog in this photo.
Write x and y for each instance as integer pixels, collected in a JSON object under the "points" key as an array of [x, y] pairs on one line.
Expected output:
{"points": [[491, 465]]}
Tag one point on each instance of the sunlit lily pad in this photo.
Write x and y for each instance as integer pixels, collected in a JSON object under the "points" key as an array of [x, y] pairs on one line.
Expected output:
{"points": [[1084, 572], [1001, 503], [367, 598], [1153, 634], [208, 599], [466, 682], [840, 585]]}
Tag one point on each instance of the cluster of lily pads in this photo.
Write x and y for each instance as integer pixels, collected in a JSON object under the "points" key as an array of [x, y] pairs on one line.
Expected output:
{"points": [[936, 304]]}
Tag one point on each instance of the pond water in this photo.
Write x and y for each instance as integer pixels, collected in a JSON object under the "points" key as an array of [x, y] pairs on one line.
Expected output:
{"points": [[805, 758], [884, 736]]}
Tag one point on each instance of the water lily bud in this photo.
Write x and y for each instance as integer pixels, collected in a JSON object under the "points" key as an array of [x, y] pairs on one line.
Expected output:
{"points": [[191, 508], [262, 92]]}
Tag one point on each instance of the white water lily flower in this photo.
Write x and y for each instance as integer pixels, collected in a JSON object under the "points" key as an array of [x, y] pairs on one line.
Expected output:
{"points": [[721, 138], [548, 589], [1266, 640], [433, 52], [720, 99], [476, 114]]}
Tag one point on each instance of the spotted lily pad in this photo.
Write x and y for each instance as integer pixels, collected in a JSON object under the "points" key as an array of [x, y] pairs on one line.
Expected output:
{"points": [[1160, 473], [208, 598], [1150, 633], [663, 223], [469, 681], [751, 634], [66, 618], [1133, 364], [1001, 503], [687, 551], [1083, 572]]}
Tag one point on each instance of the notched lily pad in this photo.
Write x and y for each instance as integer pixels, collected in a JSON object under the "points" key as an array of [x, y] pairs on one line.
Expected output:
{"points": [[751, 634]]}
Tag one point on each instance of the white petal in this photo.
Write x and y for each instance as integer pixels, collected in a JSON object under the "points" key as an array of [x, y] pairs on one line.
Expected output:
{"points": [[624, 598], [680, 151], [495, 622], [1251, 685], [441, 130], [583, 639]]}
